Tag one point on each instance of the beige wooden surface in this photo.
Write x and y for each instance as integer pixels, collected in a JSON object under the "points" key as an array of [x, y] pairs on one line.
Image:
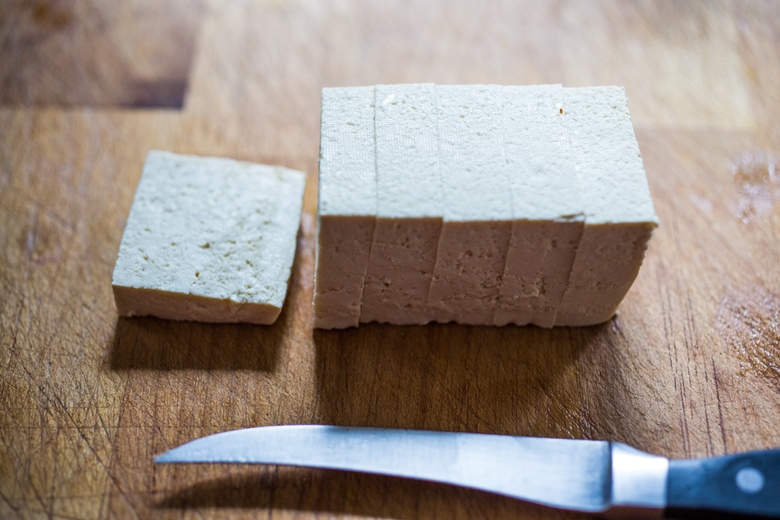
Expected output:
{"points": [[690, 367]]}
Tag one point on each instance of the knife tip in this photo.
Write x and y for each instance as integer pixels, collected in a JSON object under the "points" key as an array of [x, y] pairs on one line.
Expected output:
{"points": [[164, 458]]}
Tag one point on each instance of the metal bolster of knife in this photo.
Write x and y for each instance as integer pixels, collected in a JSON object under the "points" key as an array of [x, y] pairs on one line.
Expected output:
{"points": [[638, 483]]}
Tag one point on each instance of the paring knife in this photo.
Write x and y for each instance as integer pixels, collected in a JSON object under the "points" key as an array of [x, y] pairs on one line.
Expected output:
{"points": [[607, 478]]}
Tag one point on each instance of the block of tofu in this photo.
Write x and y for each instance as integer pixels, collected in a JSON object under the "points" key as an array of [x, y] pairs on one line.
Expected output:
{"points": [[477, 205], [403, 252], [347, 205], [547, 212], [209, 239], [619, 215]]}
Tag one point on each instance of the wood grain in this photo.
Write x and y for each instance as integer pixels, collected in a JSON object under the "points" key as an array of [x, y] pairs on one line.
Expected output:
{"points": [[688, 368]]}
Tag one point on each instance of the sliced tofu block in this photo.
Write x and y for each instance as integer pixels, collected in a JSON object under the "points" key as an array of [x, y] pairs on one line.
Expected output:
{"points": [[619, 215], [209, 239], [477, 205], [409, 211], [347, 205], [547, 212]]}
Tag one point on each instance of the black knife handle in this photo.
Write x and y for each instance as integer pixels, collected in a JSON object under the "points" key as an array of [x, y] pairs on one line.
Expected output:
{"points": [[746, 485]]}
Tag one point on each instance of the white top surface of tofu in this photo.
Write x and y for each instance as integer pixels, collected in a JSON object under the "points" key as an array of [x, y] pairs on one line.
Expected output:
{"points": [[212, 227], [471, 159], [612, 178], [542, 177], [348, 184], [407, 152]]}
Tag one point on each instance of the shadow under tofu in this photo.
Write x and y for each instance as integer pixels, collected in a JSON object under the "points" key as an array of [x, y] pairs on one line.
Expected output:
{"points": [[507, 380], [331, 492], [157, 344]]}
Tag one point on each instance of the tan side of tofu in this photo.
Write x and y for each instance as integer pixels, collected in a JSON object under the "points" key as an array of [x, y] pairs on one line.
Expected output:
{"points": [[209, 239], [343, 244], [477, 205], [133, 301], [347, 205], [547, 211], [619, 215], [403, 251], [537, 270], [607, 263]]}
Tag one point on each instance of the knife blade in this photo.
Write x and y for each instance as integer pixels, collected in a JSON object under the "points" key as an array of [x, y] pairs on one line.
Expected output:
{"points": [[601, 477]]}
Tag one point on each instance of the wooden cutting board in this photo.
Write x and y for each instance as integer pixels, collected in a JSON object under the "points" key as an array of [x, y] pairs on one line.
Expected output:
{"points": [[688, 368]]}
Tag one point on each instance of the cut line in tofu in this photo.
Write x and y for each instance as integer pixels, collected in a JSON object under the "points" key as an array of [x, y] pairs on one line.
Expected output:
{"points": [[547, 216], [209, 239], [347, 208], [619, 215], [477, 205], [403, 251]]}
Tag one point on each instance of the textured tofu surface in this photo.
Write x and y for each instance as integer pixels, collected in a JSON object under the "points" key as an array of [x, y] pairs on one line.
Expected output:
{"points": [[547, 210], [209, 239], [492, 205], [477, 206], [612, 179], [403, 251], [608, 260], [619, 215], [347, 205]]}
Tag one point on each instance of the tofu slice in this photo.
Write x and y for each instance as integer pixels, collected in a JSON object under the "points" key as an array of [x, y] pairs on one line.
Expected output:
{"points": [[477, 205], [403, 252], [547, 211], [347, 205], [619, 215], [209, 239]]}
